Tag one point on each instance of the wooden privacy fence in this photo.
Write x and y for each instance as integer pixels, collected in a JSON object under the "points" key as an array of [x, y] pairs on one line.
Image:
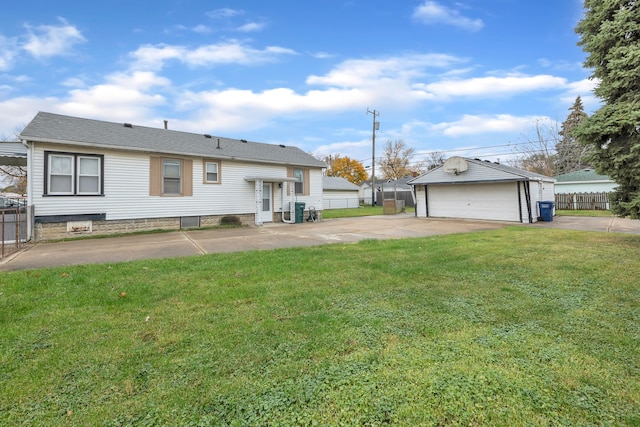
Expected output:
{"points": [[582, 201]]}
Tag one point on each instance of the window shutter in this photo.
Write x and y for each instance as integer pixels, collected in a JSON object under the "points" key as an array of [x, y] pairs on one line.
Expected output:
{"points": [[306, 182], [155, 176], [187, 177], [289, 184]]}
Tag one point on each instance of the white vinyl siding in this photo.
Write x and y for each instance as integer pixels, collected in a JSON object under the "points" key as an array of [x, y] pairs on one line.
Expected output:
{"points": [[127, 196], [335, 199]]}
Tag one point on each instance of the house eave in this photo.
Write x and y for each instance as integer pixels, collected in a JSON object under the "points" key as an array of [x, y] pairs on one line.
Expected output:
{"points": [[168, 152]]}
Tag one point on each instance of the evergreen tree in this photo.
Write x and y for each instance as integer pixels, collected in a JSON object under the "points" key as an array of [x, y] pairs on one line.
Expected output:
{"points": [[610, 35], [572, 154]]}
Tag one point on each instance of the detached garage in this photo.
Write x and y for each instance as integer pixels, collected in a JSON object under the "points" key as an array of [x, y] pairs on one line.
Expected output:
{"points": [[478, 189], [338, 193]]}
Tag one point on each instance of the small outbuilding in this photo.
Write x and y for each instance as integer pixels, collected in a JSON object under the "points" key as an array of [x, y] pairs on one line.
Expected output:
{"points": [[339, 193], [584, 181], [480, 189]]}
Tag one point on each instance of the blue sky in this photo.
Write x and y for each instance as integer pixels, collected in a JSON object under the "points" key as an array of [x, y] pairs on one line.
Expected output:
{"points": [[468, 77]]}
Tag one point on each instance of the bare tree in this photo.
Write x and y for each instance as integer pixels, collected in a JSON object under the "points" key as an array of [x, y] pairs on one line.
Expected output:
{"points": [[395, 160], [537, 153]]}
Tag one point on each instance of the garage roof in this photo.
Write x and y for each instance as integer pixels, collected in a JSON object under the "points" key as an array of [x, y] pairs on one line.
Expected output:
{"points": [[337, 183], [477, 171]]}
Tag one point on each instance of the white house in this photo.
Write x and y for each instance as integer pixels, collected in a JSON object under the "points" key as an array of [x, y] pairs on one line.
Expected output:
{"points": [[583, 181], [477, 189], [91, 176], [339, 193]]}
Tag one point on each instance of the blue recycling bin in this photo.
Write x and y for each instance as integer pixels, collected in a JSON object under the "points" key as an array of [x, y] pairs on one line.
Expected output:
{"points": [[546, 210]]}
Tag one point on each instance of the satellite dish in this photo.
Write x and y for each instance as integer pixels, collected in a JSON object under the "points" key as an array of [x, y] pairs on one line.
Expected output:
{"points": [[455, 165]]}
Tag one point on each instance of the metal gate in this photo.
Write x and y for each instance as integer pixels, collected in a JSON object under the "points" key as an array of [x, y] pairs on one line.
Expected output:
{"points": [[14, 229]]}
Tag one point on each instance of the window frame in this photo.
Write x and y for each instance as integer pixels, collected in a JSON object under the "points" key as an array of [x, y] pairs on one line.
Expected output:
{"points": [[299, 181], [205, 173], [179, 163], [75, 175]]}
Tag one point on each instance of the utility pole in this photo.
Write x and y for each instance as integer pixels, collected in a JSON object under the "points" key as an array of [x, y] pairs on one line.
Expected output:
{"points": [[376, 125]]}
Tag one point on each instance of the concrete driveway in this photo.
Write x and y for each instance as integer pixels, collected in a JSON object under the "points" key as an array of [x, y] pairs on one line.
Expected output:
{"points": [[271, 236]]}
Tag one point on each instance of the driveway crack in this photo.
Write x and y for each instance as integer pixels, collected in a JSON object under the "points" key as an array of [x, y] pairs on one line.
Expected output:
{"points": [[195, 243]]}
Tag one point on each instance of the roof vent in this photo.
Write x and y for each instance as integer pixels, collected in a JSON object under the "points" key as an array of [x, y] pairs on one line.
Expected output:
{"points": [[128, 125], [282, 145], [206, 135], [243, 140], [218, 143]]}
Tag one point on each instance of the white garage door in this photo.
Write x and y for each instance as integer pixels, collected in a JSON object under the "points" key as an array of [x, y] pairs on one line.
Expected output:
{"points": [[474, 201]]}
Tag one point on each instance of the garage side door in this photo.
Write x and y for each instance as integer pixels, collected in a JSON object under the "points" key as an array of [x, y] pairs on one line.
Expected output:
{"points": [[497, 202]]}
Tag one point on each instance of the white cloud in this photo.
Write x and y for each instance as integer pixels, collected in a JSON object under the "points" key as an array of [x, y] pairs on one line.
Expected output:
{"points": [[480, 124], [431, 12], [224, 12], [201, 29], [8, 52], [48, 40], [370, 72], [153, 57], [251, 27], [493, 85]]}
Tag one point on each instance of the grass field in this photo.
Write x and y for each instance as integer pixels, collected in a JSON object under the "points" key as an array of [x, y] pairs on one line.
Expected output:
{"points": [[509, 327], [583, 213], [354, 212]]}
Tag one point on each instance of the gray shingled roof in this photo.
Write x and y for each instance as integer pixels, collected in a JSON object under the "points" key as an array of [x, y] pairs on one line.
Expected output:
{"points": [[582, 175], [336, 183], [479, 171], [60, 129]]}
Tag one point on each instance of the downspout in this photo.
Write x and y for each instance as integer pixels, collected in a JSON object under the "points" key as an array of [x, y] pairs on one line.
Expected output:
{"points": [[426, 201], [413, 194], [30, 208], [292, 209], [527, 195], [519, 201]]}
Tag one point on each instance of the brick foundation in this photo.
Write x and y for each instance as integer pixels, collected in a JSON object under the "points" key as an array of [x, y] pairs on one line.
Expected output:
{"points": [[59, 230]]}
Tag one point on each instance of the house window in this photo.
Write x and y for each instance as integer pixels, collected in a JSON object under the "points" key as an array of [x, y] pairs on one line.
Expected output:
{"points": [[298, 174], [73, 174], [301, 184], [88, 175], [171, 176], [211, 172]]}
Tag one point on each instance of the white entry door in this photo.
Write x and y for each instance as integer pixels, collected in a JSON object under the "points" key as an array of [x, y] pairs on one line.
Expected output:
{"points": [[267, 202]]}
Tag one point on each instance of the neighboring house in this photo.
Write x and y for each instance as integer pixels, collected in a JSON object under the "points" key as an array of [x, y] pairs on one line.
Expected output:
{"points": [[583, 181], [90, 176], [339, 193], [477, 189], [12, 154]]}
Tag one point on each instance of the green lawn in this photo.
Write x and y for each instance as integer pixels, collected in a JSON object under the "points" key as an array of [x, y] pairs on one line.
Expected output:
{"points": [[366, 210], [583, 213], [510, 327]]}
